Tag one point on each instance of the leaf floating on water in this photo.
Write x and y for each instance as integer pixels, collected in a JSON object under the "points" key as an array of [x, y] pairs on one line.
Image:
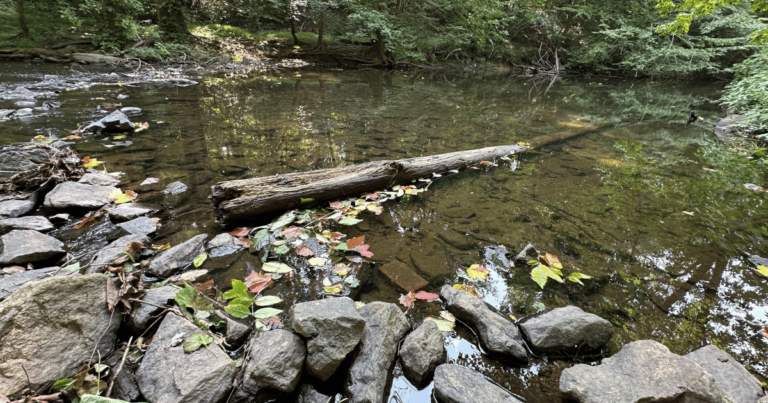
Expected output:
{"points": [[352, 281], [539, 276], [140, 127], [304, 251], [428, 296], [551, 273], [192, 275], [86, 220], [690, 213], [244, 242], [337, 205], [268, 300], [446, 322], [576, 277], [118, 197], [408, 299], [257, 282], [333, 289], [276, 268], [756, 188], [762, 270], [149, 181], [89, 162], [349, 221], [552, 261], [478, 271], [281, 250], [363, 250], [341, 269], [355, 242], [469, 289], [292, 232], [264, 313], [317, 261], [199, 259], [195, 341], [333, 235]]}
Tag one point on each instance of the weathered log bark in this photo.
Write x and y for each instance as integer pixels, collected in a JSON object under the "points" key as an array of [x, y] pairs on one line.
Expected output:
{"points": [[250, 198]]}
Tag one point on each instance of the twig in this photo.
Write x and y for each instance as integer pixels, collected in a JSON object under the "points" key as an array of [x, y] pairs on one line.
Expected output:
{"points": [[29, 383], [119, 368]]}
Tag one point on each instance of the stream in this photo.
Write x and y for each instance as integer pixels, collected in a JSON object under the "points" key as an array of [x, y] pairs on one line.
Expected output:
{"points": [[665, 241]]}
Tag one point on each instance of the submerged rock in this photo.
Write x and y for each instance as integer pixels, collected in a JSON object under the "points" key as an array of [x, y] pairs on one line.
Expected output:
{"points": [[115, 122], [35, 223], [222, 245], [24, 112], [24, 246], [643, 371], [333, 328], [457, 384], [78, 195], [177, 258], [566, 330], [275, 360], [51, 327], [175, 188], [374, 357], [730, 376], [99, 179], [125, 212], [16, 208], [422, 351], [528, 253], [497, 334], [169, 375], [113, 252], [142, 314]]}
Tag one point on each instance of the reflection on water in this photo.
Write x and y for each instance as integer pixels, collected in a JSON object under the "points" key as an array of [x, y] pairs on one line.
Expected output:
{"points": [[610, 204]]}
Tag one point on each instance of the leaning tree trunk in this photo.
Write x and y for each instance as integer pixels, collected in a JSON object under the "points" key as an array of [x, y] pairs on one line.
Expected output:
{"points": [[320, 28], [171, 22], [378, 51], [250, 198], [22, 19]]}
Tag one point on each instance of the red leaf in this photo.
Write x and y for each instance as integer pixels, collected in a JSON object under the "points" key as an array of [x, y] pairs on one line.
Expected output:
{"points": [[336, 235], [355, 242], [373, 196], [363, 250], [85, 221], [407, 299], [426, 296], [292, 232], [272, 321], [240, 232], [304, 251], [257, 282], [204, 286], [246, 242], [337, 205], [485, 162]]}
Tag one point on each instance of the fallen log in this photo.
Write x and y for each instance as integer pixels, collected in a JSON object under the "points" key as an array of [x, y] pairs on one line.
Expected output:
{"points": [[250, 198]]}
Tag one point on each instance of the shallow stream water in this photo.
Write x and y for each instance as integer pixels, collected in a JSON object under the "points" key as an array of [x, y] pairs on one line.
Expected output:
{"points": [[609, 203]]}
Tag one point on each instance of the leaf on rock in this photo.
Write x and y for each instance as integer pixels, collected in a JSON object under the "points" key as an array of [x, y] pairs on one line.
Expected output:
{"points": [[161, 247], [244, 242], [264, 313], [478, 271], [280, 268], [195, 341], [62, 384], [408, 299], [200, 259], [240, 232], [469, 289], [304, 251], [317, 261], [273, 322], [552, 261]]}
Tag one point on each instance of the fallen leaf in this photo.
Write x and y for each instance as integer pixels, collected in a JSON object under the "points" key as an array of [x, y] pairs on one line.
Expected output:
{"points": [[333, 289], [317, 261], [552, 261], [86, 220], [349, 221], [204, 286], [292, 232], [426, 296], [199, 259], [762, 270], [469, 289], [334, 235], [161, 247], [337, 205], [279, 268], [756, 188], [267, 301], [478, 271], [141, 127], [89, 162], [355, 242], [240, 232], [485, 162], [195, 341], [281, 250], [304, 251], [446, 322], [363, 250], [408, 299], [257, 282], [272, 321], [341, 269], [245, 242], [264, 313]]}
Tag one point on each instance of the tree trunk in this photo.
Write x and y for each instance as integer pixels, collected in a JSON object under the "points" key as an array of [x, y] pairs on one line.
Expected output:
{"points": [[22, 19], [293, 33], [320, 28], [171, 22], [378, 49]]}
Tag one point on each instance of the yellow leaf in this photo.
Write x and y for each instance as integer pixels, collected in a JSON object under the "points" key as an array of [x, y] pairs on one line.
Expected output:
{"points": [[478, 271], [91, 162], [762, 270], [552, 261], [317, 261], [469, 289], [334, 289]]}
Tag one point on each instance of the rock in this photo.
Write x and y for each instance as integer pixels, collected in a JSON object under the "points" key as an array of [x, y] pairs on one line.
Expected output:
{"points": [[59, 218], [13, 282], [275, 360], [113, 251], [169, 375], [422, 351], [732, 126], [18, 93], [137, 226], [235, 332], [528, 253], [730, 376], [16, 208], [35, 223], [99, 399], [175, 188], [763, 400], [128, 211], [78, 195], [333, 327], [115, 122], [310, 395], [6, 113], [643, 371], [99, 179], [51, 327], [222, 245], [24, 112], [403, 276], [131, 111], [94, 58], [150, 181], [24, 246], [497, 334], [14, 160], [177, 258], [457, 384], [25, 104], [374, 357], [566, 330], [142, 314]]}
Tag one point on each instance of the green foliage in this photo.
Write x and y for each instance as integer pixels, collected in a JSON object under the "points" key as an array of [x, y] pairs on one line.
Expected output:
{"points": [[748, 92], [241, 300], [112, 21], [161, 51]]}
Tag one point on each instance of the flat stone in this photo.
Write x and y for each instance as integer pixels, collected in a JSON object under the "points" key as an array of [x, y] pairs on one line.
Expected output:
{"points": [[99, 179], [275, 361], [457, 384], [24, 246], [78, 195], [643, 371], [403, 276], [333, 328], [16, 208], [14, 160], [496, 334], [138, 226], [430, 260], [51, 327], [24, 112], [14, 282], [177, 258], [115, 122], [235, 331], [169, 375], [175, 188], [142, 314], [422, 351], [113, 251], [59, 218], [567, 330], [374, 357], [730, 376], [730, 127], [128, 211], [35, 223], [222, 245]]}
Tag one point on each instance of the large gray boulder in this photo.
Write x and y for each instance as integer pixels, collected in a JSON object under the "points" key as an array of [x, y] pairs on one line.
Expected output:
{"points": [[169, 375], [50, 327], [275, 361], [643, 371], [99, 179], [113, 251], [333, 327], [128, 211], [457, 384], [374, 357], [14, 159], [24, 246], [178, 257], [78, 195], [422, 351], [730, 376], [497, 334], [732, 126], [16, 208], [566, 330], [14, 282], [236, 331], [142, 314], [115, 122], [34, 223]]}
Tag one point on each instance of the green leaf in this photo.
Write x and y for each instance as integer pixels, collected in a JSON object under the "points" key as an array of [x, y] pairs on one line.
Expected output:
{"points": [[276, 267], [762, 270], [261, 327], [349, 221], [307, 200], [199, 259], [282, 222], [264, 313], [239, 290], [341, 246], [533, 262], [260, 240], [267, 301], [576, 277], [63, 384], [352, 281], [237, 310], [550, 273], [195, 341], [539, 276], [186, 298], [282, 249]]}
